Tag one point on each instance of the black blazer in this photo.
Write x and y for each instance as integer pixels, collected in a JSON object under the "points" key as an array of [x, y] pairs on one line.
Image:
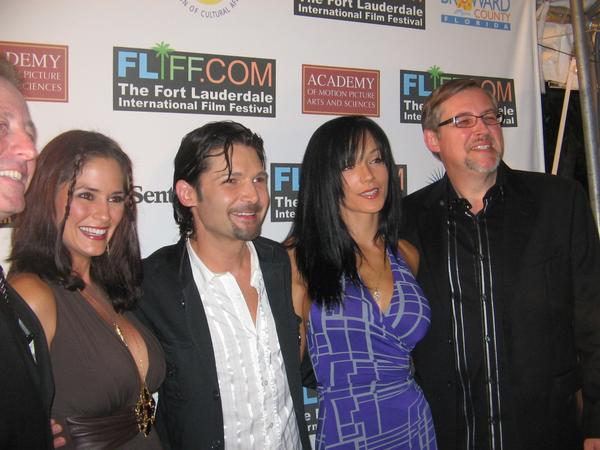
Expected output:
{"points": [[189, 412], [549, 303], [26, 387]]}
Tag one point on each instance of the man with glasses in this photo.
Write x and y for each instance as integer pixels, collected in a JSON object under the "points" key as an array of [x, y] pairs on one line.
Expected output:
{"points": [[510, 262]]}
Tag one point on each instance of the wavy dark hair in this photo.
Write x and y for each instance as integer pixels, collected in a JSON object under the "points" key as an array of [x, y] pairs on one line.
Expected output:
{"points": [[324, 249], [37, 238], [192, 159]]}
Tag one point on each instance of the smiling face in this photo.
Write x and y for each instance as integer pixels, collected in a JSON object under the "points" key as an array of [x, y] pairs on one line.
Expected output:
{"points": [[97, 207], [365, 183], [228, 207], [467, 151], [17, 150]]}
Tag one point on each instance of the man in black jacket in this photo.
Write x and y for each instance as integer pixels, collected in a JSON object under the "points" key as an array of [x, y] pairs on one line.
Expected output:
{"points": [[510, 263], [220, 303], [26, 387]]}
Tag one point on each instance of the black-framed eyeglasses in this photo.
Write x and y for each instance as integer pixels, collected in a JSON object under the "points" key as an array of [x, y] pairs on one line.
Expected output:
{"points": [[469, 120]]}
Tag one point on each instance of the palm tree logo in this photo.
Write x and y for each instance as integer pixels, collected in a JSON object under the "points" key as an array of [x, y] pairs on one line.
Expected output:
{"points": [[162, 50], [435, 73]]}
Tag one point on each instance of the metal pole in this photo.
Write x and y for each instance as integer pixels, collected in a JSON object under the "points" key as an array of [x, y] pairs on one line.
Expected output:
{"points": [[587, 89], [563, 117]]}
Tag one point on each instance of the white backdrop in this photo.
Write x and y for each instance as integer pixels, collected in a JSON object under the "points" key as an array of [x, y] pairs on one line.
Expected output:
{"points": [[270, 29]]}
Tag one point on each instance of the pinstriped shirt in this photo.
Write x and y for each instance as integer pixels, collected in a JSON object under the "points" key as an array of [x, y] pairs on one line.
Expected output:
{"points": [[257, 405], [473, 241]]}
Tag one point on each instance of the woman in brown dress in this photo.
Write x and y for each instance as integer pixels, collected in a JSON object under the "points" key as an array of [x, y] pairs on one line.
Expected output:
{"points": [[76, 262]]}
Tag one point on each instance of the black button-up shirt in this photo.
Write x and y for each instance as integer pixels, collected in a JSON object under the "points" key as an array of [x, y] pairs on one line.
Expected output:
{"points": [[473, 246]]}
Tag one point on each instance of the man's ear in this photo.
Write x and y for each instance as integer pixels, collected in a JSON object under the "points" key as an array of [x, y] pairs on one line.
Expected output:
{"points": [[431, 140], [186, 193]]}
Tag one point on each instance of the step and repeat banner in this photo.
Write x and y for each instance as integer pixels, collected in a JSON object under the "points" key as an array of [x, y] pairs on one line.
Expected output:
{"points": [[147, 72]]}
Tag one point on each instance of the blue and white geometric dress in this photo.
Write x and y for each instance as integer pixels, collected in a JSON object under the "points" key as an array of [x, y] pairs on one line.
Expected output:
{"points": [[368, 398]]}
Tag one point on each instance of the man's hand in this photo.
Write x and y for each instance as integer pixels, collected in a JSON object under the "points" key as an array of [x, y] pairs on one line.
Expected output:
{"points": [[59, 441], [591, 444]]}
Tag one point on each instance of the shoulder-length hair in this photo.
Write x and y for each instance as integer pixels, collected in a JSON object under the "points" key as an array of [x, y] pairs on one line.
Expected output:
{"points": [[324, 249], [192, 160], [37, 238]]}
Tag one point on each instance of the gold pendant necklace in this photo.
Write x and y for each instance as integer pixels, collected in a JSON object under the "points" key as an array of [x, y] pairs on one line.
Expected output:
{"points": [[120, 333], [376, 295], [145, 411], [145, 407], [375, 292]]}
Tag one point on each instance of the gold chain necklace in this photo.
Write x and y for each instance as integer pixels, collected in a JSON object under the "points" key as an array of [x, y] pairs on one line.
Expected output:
{"points": [[374, 289], [145, 407]]}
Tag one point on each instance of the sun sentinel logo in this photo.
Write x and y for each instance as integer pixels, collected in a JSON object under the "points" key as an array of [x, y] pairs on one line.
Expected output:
{"points": [[209, 9], [144, 196], [494, 14]]}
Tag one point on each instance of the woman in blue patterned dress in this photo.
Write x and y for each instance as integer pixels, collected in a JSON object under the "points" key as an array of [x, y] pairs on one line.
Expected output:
{"points": [[354, 288]]}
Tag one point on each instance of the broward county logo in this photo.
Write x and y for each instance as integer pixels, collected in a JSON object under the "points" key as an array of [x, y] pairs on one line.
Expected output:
{"points": [[493, 14], [209, 9]]}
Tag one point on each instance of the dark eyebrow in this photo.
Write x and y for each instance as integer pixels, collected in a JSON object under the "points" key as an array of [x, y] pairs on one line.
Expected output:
{"points": [[490, 110], [87, 188], [91, 189], [223, 173]]}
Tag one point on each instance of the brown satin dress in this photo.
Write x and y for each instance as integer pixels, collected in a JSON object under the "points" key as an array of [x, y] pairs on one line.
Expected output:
{"points": [[94, 373]]}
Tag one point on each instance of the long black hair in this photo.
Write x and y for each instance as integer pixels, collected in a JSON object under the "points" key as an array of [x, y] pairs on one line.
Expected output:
{"points": [[324, 249], [37, 238]]}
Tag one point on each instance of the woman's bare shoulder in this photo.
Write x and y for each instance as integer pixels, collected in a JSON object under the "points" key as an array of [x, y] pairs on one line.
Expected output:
{"points": [[40, 298], [31, 287], [410, 254]]}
